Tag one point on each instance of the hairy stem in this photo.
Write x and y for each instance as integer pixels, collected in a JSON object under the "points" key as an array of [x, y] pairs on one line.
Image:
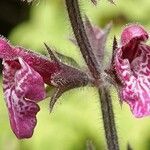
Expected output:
{"points": [[81, 37], [108, 118], [87, 52]]}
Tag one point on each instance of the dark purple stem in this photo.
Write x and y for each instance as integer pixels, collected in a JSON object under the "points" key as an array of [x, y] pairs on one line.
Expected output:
{"points": [[87, 52], [81, 37]]}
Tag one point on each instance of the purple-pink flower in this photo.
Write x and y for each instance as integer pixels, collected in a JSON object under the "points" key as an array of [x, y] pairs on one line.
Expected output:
{"points": [[132, 66], [24, 75]]}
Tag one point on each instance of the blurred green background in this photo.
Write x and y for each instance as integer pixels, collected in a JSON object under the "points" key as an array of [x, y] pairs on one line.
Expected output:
{"points": [[77, 116]]}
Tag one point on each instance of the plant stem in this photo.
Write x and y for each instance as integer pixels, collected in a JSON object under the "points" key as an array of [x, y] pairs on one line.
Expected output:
{"points": [[87, 52], [108, 118], [81, 37]]}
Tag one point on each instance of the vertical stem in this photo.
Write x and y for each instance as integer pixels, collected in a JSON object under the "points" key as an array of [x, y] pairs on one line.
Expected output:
{"points": [[108, 118], [81, 37], [87, 52]]}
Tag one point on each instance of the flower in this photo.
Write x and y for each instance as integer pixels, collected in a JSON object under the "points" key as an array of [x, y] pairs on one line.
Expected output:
{"points": [[24, 76], [132, 66], [23, 87]]}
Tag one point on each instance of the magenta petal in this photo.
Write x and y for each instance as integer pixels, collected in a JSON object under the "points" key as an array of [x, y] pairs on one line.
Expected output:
{"points": [[131, 32], [6, 50], [134, 73], [22, 88], [137, 89], [22, 116], [136, 93], [29, 82], [44, 66]]}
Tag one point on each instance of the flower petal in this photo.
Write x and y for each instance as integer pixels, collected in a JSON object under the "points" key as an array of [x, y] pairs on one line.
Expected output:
{"points": [[133, 32], [22, 88], [29, 82], [131, 37], [139, 99], [136, 84], [39, 63], [135, 76], [6, 50]]}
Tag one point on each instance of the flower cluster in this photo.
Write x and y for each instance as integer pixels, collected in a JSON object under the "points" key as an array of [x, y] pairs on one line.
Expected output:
{"points": [[25, 74]]}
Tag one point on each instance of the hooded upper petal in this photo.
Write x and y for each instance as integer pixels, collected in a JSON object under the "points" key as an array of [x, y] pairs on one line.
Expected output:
{"points": [[132, 65], [39, 63], [133, 32], [23, 87]]}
